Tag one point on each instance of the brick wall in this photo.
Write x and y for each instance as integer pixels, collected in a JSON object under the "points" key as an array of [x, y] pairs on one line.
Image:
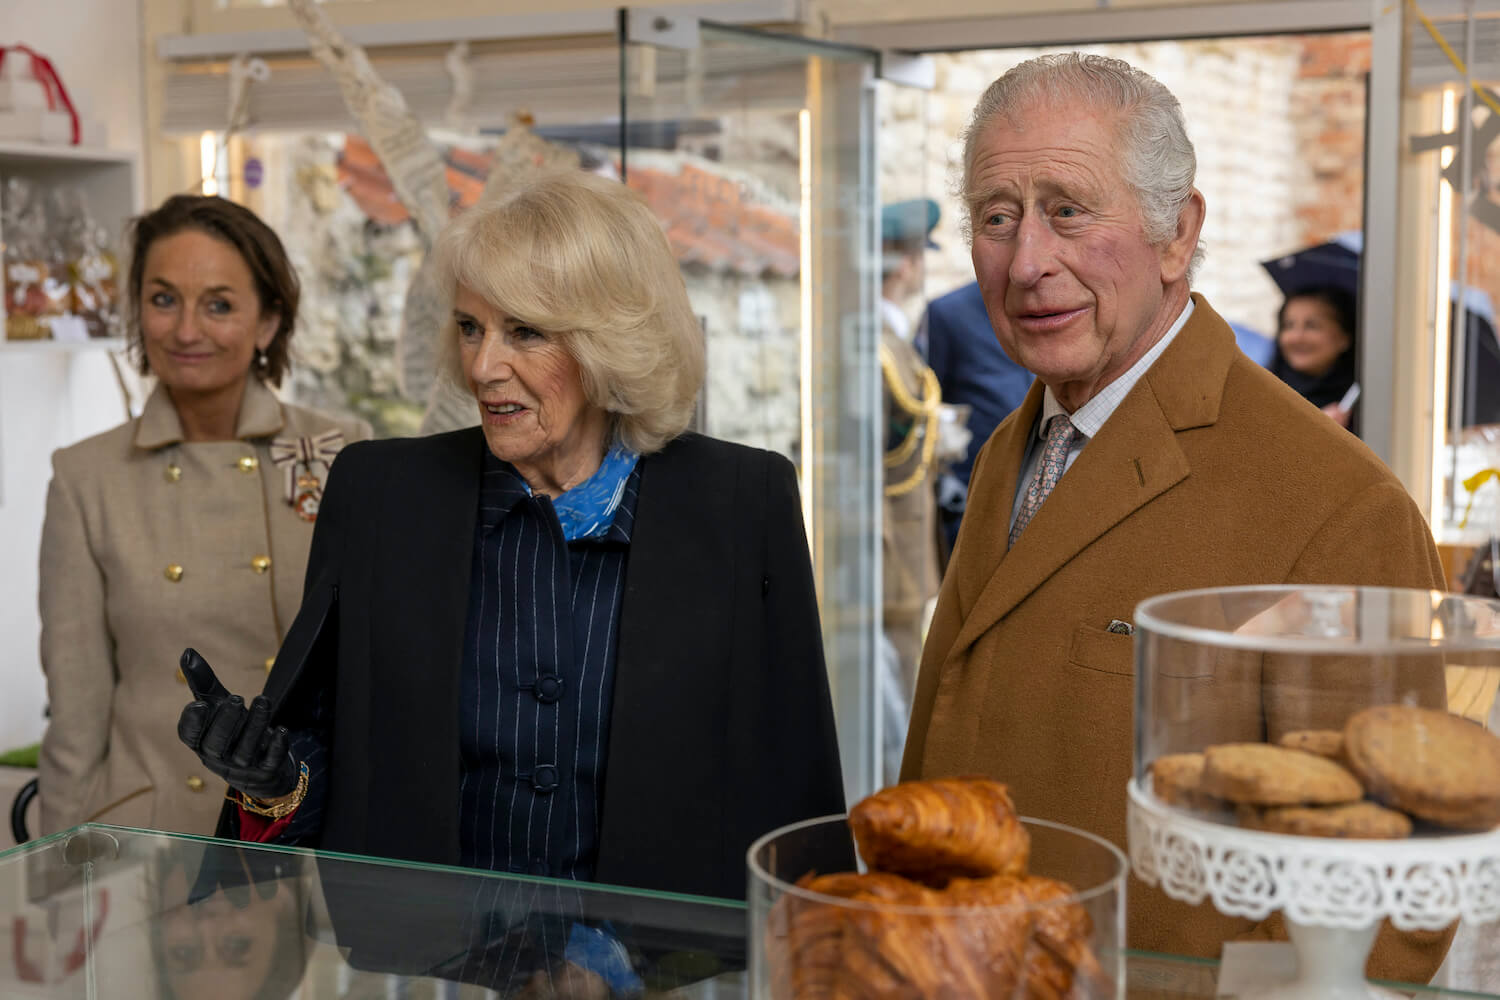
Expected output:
{"points": [[1278, 125], [1328, 113]]}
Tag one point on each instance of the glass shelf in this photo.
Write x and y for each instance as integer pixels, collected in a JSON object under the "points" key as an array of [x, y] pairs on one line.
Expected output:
{"points": [[10, 151], [109, 912], [63, 346]]}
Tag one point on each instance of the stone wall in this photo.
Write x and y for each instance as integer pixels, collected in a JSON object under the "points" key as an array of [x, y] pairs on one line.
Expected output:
{"points": [[354, 275], [355, 272]]}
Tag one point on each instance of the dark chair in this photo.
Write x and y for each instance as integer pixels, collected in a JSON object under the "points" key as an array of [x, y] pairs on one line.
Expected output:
{"points": [[18, 811]]}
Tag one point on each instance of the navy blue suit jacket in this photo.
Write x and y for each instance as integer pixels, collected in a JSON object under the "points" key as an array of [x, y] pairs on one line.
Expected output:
{"points": [[962, 349]]}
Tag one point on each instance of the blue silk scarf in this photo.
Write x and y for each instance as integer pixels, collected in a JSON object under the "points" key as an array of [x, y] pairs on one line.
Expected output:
{"points": [[588, 509]]}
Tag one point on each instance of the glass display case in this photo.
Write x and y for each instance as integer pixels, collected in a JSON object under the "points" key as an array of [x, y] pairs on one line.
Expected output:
{"points": [[1448, 268], [105, 912], [1296, 755], [1052, 924], [756, 153]]}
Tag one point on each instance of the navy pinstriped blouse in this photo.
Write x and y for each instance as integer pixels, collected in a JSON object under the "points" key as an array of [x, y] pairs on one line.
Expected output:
{"points": [[538, 681], [536, 687]]}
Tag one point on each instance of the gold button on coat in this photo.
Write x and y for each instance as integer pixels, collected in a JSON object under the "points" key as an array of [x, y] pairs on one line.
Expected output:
{"points": [[260, 563], [173, 572], [195, 783], [174, 473], [271, 662], [248, 464]]}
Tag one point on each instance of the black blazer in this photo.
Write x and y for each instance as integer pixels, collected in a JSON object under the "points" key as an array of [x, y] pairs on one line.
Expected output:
{"points": [[722, 725]]}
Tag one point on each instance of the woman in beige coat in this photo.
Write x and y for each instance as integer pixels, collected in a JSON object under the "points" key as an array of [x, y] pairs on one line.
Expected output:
{"points": [[200, 512]]}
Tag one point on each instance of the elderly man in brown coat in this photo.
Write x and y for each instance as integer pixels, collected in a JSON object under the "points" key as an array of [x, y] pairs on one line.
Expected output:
{"points": [[1167, 460]]}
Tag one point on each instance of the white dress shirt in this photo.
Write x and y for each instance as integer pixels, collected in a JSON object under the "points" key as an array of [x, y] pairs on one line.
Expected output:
{"points": [[1089, 418], [896, 320]]}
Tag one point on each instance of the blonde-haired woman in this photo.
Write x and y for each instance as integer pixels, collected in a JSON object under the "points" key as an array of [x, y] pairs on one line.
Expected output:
{"points": [[575, 641]]}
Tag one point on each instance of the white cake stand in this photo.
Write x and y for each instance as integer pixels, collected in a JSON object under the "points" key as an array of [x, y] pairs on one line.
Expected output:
{"points": [[1332, 893]]}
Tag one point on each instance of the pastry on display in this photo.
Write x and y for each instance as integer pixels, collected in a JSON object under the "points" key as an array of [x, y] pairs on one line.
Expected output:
{"points": [[959, 916], [1438, 767], [1323, 742], [1260, 774], [1358, 820], [889, 947], [1177, 779], [933, 831], [1390, 769]]}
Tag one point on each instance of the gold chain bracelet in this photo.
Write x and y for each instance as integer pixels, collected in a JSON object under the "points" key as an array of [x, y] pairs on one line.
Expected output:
{"points": [[281, 809]]}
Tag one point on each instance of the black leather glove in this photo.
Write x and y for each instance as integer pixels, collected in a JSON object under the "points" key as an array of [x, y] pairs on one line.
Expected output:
{"points": [[238, 744]]}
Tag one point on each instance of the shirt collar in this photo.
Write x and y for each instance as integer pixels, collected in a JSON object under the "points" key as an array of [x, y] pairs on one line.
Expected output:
{"points": [[159, 425], [501, 488], [896, 319], [1089, 418]]}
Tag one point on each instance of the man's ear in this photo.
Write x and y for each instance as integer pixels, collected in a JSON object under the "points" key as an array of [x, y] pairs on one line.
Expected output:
{"points": [[1178, 252]]}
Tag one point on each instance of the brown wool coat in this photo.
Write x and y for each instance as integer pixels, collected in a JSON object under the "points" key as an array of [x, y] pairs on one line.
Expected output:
{"points": [[114, 625], [1210, 473]]}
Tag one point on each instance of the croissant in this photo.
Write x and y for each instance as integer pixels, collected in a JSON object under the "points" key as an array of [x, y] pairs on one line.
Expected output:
{"points": [[1058, 955], [933, 831], [890, 948], [947, 911]]}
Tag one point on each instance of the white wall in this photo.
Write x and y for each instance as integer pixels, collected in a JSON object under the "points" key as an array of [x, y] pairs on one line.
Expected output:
{"points": [[50, 399]]}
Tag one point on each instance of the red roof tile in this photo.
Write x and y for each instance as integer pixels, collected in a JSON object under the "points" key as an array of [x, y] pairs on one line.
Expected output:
{"points": [[709, 221]]}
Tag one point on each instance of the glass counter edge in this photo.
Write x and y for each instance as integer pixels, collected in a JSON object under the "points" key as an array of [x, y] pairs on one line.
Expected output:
{"points": [[61, 838], [23, 850]]}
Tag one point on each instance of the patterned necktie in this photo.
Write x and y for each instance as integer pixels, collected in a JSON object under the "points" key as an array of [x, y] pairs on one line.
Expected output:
{"points": [[1048, 471]]}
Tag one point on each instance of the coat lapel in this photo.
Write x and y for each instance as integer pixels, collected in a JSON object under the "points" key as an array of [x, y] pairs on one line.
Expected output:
{"points": [[424, 534], [982, 537], [1134, 459], [670, 683], [439, 502]]}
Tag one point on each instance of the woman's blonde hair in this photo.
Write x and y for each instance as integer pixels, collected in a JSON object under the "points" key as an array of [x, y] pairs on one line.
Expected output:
{"points": [[582, 257]]}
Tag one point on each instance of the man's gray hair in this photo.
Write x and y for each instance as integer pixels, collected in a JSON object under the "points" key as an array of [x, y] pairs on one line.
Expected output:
{"points": [[1157, 157]]}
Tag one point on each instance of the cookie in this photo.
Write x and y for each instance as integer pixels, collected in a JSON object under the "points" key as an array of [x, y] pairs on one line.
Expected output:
{"points": [[1259, 774], [1323, 742], [1438, 767], [1358, 820], [1175, 778]]}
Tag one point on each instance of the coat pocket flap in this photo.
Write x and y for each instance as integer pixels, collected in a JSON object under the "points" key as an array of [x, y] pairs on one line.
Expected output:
{"points": [[1103, 650]]}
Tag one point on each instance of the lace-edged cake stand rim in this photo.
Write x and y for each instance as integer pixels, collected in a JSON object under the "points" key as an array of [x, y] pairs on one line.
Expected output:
{"points": [[1420, 883]]}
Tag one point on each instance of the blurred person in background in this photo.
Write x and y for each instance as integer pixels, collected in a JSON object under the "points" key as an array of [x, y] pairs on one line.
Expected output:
{"points": [[1315, 354], [199, 510], [923, 436]]}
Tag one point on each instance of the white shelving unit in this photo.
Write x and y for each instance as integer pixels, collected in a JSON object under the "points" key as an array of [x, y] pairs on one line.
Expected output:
{"points": [[63, 346], [108, 179], [52, 393]]}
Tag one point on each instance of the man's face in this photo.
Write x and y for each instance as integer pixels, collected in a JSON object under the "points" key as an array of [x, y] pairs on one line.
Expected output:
{"points": [[1074, 290]]}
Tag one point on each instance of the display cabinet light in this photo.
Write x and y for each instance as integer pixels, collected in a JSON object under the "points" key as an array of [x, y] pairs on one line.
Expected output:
{"points": [[1445, 482]]}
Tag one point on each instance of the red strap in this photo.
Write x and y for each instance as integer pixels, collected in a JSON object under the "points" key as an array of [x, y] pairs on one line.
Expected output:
{"points": [[256, 829], [27, 970], [46, 75]]}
